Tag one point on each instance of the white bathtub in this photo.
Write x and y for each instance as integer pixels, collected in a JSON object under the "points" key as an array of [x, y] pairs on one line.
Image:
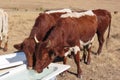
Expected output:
{"points": [[12, 59], [22, 73]]}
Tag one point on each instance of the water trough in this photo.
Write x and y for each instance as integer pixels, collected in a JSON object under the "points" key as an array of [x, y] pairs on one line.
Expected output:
{"points": [[19, 71]]}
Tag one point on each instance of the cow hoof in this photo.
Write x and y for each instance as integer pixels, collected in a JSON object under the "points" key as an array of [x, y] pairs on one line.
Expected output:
{"points": [[79, 76], [88, 63], [30, 68], [98, 52]]}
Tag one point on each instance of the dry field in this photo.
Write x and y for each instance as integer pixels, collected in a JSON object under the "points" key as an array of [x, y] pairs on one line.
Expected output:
{"points": [[22, 14]]}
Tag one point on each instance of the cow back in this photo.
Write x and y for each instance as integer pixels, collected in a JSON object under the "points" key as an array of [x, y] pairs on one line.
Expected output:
{"points": [[70, 30], [104, 19]]}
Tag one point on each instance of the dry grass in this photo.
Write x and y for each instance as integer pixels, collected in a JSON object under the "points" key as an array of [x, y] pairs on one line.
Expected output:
{"points": [[20, 25], [104, 67], [112, 5]]}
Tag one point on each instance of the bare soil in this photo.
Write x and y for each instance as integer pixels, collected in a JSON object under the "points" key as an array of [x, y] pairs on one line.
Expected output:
{"points": [[106, 66]]}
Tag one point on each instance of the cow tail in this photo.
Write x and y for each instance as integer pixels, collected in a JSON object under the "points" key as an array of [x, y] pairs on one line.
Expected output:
{"points": [[109, 28]]}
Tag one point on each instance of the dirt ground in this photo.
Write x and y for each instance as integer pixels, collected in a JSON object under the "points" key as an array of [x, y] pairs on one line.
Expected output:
{"points": [[22, 15]]}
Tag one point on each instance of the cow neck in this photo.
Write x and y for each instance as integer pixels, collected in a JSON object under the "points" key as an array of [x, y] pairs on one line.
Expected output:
{"points": [[56, 37], [56, 43], [57, 47], [52, 42]]}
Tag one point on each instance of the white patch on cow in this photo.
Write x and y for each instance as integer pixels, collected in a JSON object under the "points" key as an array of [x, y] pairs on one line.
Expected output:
{"points": [[78, 15], [87, 43], [76, 48], [72, 49], [62, 10]]}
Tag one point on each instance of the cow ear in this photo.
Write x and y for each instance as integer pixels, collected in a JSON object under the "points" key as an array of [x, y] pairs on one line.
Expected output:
{"points": [[18, 46], [48, 44]]}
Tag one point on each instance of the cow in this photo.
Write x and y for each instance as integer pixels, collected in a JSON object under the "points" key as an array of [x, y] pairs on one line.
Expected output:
{"points": [[3, 29], [69, 30], [104, 22], [42, 27]]}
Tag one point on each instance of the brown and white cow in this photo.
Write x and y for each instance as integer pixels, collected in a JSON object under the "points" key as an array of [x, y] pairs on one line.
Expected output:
{"points": [[42, 27], [104, 22], [68, 31]]}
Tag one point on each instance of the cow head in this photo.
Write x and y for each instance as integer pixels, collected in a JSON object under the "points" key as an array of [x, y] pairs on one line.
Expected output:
{"points": [[28, 47], [44, 55]]}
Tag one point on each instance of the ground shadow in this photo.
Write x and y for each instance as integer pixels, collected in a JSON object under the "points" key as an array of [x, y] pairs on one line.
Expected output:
{"points": [[93, 52], [58, 59], [118, 49], [72, 73]]}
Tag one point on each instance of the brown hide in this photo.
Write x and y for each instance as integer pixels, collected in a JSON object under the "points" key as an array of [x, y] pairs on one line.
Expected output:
{"points": [[28, 50], [104, 22], [67, 32], [42, 27]]}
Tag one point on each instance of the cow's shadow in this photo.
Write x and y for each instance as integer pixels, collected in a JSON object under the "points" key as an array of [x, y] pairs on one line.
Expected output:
{"points": [[15, 58], [93, 52], [72, 73]]}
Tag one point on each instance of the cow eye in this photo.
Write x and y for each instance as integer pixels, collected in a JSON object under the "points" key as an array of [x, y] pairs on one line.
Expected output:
{"points": [[51, 52]]}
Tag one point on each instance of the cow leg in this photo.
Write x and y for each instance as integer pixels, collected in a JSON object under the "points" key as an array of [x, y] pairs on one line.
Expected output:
{"points": [[64, 62], [5, 47], [101, 41], [1, 44], [6, 44], [88, 57], [84, 54], [76, 59]]}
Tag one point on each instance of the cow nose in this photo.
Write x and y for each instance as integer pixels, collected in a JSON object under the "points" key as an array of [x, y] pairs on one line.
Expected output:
{"points": [[36, 71], [30, 68]]}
